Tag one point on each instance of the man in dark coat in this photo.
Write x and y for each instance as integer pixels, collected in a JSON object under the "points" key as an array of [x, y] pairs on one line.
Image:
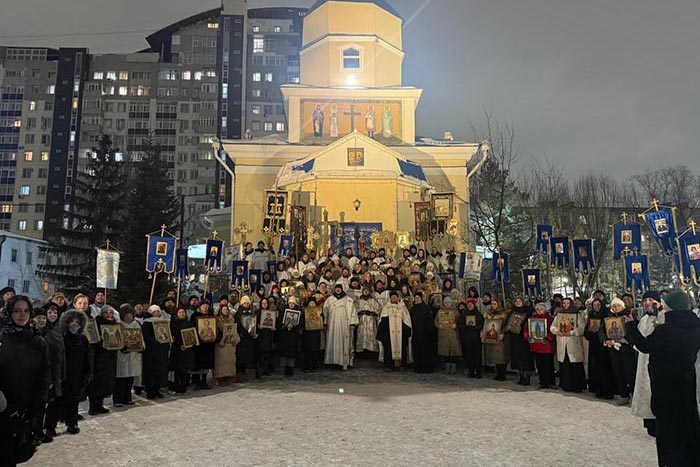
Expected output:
{"points": [[424, 335], [673, 348], [204, 354], [104, 377], [78, 367], [246, 321], [25, 375]]}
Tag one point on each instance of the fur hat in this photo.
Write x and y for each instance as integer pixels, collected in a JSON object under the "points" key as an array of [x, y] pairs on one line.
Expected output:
{"points": [[293, 300], [656, 296], [151, 309]]}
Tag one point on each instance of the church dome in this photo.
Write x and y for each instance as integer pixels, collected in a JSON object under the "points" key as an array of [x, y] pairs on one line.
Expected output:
{"points": [[380, 3]]}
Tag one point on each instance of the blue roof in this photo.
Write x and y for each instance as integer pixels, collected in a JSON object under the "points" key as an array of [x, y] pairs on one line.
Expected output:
{"points": [[380, 3], [306, 167], [411, 169]]}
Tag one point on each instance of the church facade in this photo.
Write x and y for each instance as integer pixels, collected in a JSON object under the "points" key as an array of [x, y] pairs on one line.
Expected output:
{"points": [[350, 157]]}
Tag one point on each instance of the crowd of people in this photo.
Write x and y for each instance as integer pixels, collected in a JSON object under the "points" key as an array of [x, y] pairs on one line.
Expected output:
{"points": [[323, 313]]}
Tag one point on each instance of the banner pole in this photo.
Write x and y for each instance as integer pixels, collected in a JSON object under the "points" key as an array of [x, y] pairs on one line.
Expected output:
{"points": [[153, 286]]}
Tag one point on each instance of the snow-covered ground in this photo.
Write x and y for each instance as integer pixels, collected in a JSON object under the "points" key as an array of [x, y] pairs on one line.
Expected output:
{"points": [[365, 417]]}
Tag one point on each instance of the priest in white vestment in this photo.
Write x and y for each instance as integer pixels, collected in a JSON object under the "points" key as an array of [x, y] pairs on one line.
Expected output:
{"points": [[394, 331], [340, 315]]}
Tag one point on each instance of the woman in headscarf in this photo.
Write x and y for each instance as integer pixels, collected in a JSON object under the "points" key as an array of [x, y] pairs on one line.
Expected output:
{"points": [[225, 352], [25, 375], [424, 335], [57, 357], [520, 354], [496, 354], [264, 342], [288, 336], [568, 326], [470, 325], [128, 363], [104, 376], [182, 360], [601, 380], [623, 357], [204, 354], [543, 349], [449, 346], [246, 321], [78, 366], [155, 354]]}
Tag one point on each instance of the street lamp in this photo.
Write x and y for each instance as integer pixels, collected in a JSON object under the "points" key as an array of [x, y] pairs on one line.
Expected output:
{"points": [[357, 204]]}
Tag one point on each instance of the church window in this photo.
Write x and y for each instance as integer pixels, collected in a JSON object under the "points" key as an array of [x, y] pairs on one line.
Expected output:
{"points": [[351, 59]]}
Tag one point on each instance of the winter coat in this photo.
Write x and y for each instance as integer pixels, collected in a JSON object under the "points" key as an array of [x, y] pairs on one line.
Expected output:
{"points": [[423, 321], [104, 377], [497, 353], [129, 363], [180, 359], [155, 357], [448, 337], [470, 333], [204, 352], [78, 355], [225, 350], [245, 350], [520, 354], [57, 355], [571, 345], [266, 336], [539, 346], [288, 339]]}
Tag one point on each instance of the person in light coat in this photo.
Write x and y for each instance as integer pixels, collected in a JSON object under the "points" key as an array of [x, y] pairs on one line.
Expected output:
{"points": [[569, 325], [128, 363]]}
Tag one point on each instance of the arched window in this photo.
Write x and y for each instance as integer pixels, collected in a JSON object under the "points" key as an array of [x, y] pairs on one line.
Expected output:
{"points": [[351, 59]]}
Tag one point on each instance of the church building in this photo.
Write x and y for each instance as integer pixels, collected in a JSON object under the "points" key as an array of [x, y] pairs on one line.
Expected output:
{"points": [[350, 164]]}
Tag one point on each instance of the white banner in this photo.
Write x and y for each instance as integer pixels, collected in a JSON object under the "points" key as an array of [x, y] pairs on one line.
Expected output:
{"points": [[107, 269]]}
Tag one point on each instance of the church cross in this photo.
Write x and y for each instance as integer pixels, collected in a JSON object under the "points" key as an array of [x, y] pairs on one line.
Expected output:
{"points": [[214, 234], [692, 225], [624, 218], [162, 230], [655, 202], [352, 115]]}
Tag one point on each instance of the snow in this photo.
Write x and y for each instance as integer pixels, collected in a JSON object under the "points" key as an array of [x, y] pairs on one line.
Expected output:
{"points": [[377, 419]]}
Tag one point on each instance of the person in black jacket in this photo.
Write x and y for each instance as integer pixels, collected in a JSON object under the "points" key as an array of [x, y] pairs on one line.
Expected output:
{"points": [[673, 348], [246, 321], [288, 337], [25, 375], [78, 367], [424, 335], [601, 379], [57, 357], [182, 360], [204, 353], [521, 358], [470, 324], [104, 377], [154, 374], [310, 342]]}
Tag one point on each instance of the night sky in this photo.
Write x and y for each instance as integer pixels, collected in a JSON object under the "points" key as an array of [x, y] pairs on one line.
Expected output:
{"points": [[595, 84]]}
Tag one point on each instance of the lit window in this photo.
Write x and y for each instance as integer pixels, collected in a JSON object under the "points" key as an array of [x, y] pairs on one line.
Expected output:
{"points": [[279, 126], [118, 156], [75, 103], [18, 124], [267, 126], [277, 29], [256, 28], [257, 93], [32, 105], [268, 77], [257, 76], [39, 225], [351, 59], [255, 110], [198, 75], [6, 208], [22, 225], [187, 75], [213, 25], [44, 155], [123, 75], [24, 190], [224, 91], [112, 75], [123, 90], [28, 155], [97, 75], [51, 89], [211, 74], [258, 45]]}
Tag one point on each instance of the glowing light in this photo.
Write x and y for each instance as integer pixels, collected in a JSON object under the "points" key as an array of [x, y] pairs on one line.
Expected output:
{"points": [[351, 80]]}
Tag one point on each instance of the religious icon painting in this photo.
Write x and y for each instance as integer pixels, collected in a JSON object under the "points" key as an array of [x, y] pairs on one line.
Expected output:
{"points": [[249, 322], [189, 338], [531, 279], [442, 205], [694, 252], [112, 336], [161, 248], [414, 281], [636, 268], [593, 325], [161, 329], [537, 327], [91, 333], [291, 317], [313, 319], [583, 252], [615, 327], [206, 329], [566, 322], [445, 319], [661, 226], [626, 237], [227, 333], [133, 339], [356, 157], [559, 248], [515, 323], [267, 319], [492, 331], [470, 320]]}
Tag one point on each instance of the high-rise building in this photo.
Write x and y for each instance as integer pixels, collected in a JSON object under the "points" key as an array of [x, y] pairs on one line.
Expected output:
{"points": [[215, 74]]}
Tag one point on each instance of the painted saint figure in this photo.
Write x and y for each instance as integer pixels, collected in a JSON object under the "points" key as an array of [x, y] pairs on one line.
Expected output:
{"points": [[371, 121], [334, 121], [387, 122], [318, 121]]}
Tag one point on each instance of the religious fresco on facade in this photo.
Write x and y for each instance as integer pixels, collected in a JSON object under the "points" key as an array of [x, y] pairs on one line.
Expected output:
{"points": [[326, 120]]}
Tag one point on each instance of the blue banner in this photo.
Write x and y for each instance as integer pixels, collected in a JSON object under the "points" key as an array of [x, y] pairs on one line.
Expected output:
{"points": [[637, 272], [627, 236], [286, 244], [353, 235], [544, 233], [689, 256], [500, 267], [239, 275], [663, 228], [272, 269], [254, 279], [560, 254], [213, 255], [160, 254], [181, 268], [584, 261], [532, 283]]}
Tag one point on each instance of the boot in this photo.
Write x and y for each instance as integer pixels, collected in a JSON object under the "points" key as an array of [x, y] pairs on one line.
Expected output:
{"points": [[526, 380]]}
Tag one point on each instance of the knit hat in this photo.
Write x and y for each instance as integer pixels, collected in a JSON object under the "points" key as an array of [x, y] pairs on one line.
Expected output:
{"points": [[678, 301], [394, 293], [656, 296], [4, 290], [245, 300], [293, 300], [38, 312], [541, 305], [152, 308], [617, 301]]}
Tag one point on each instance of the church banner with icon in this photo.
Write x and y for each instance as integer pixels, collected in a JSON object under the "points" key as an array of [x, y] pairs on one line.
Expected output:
{"points": [[107, 272], [299, 226], [584, 261], [532, 283], [689, 256], [214, 255], [239, 275], [182, 268], [357, 236], [160, 253], [637, 272], [500, 267], [626, 237], [286, 243], [275, 211], [560, 254], [663, 228], [326, 120], [470, 265], [422, 220], [544, 233]]}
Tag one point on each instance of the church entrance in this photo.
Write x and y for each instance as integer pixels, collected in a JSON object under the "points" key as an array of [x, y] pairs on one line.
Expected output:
{"points": [[355, 235]]}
